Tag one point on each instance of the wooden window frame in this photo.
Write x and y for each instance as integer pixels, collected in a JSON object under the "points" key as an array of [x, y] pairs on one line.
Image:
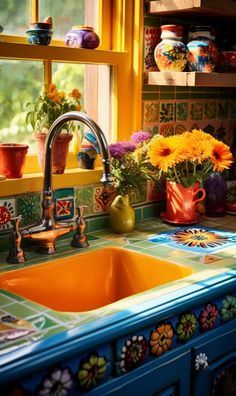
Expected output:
{"points": [[120, 28]]}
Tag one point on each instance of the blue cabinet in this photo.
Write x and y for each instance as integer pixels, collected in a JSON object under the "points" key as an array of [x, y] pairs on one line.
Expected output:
{"points": [[219, 377]]}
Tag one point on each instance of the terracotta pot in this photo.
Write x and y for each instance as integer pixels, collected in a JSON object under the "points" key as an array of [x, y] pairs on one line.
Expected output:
{"points": [[12, 159], [181, 202], [60, 151]]}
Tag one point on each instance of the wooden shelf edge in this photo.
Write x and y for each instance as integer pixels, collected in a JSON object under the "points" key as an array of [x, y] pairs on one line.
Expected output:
{"points": [[215, 7], [192, 79]]}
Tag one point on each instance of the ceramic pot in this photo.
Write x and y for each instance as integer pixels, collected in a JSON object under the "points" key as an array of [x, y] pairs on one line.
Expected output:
{"points": [[60, 151], [82, 37], [181, 202], [171, 52], [39, 36], [202, 51], [12, 159], [121, 215], [87, 156], [216, 194]]}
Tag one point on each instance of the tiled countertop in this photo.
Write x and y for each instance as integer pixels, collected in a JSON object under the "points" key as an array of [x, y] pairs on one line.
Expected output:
{"points": [[26, 326]]}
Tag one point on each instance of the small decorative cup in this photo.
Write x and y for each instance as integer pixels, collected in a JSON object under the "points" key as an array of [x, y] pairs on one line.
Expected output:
{"points": [[12, 159], [82, 37]]}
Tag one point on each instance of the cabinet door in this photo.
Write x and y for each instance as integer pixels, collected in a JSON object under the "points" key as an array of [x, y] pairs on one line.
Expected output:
{"points": [[219, 377], [169, 376]]}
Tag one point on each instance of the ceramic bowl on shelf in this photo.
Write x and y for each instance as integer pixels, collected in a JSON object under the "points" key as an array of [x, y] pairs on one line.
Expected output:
{"points": [[40, 25], [39, 36]]}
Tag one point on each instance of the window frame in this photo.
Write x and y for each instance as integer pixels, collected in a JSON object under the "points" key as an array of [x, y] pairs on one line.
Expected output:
{"points": [[120, 28]]}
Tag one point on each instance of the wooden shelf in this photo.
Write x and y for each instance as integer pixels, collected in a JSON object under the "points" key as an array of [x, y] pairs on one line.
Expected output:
{"points": [[208, 7], [192, 79]]}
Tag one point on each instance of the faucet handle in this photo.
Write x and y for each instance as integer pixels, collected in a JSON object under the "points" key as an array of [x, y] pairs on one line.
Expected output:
{"points": [[16, 253], [80, 239]]}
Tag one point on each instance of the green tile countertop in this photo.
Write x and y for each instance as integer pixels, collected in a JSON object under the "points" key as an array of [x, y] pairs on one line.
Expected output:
{"points": [[36, 325]]}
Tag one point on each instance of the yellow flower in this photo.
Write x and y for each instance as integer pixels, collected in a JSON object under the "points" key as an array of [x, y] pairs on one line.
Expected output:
{"points": [[166, 152], [221, 156], [75, 94]]}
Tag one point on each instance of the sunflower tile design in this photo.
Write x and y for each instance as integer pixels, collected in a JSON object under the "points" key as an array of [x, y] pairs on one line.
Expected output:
{"points": [[167, 111], [196, 111], [29, 206], [151, 112], [84, 196], [7, 210], [210, 109], [64, 204], [181, 111], [195, 239]]}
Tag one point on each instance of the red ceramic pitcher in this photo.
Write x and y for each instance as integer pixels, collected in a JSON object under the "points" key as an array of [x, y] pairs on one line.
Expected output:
{"points": [[12, 159], [181, 201]]}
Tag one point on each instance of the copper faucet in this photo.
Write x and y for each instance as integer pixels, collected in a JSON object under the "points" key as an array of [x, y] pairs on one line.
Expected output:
{"points": [[47, 230]]}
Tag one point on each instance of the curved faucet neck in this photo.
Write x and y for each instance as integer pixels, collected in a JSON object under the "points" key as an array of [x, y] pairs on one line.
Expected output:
{"points": [[52, 134]]}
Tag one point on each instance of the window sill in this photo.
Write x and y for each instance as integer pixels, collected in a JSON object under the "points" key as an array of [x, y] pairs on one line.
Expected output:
{"points": [[33, 182]]}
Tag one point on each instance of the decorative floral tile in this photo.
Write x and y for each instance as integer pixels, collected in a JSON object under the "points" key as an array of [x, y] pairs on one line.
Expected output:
{"points": [[103, 197], [151, 112], [180, 128], [84, 196], [64, 204], [210, 109], [223, 110], [181, 111], [151, 39], [7, 210], [196, 111], [233, 110], [167, 129], [29, 206], [167, 111]]}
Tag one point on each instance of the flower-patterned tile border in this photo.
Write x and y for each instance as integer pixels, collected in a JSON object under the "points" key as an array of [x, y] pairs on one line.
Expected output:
{"points": [[64, 208], [29, 207], [87, 371], [7, 210]]}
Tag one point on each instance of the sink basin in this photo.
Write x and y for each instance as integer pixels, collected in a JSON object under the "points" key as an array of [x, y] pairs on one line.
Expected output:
{"points": [[91, 280]]}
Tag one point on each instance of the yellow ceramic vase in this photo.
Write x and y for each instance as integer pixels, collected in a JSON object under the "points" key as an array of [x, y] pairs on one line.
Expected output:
{"points": [[121, 215]]}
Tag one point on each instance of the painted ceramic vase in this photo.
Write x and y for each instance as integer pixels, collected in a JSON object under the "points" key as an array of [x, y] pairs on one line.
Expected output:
{"points": [[39, 36], [202, 51], [171, 53], [216, 194], [12, 159], [82, 37], [87, 156], [121, 215], [181, 202]]}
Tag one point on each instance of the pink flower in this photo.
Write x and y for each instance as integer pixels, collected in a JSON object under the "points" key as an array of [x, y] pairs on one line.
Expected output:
{"points": [[208, 317]]}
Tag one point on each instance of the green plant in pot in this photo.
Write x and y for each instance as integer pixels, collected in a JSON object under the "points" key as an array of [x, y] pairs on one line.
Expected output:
{"points": [[49, 105]]}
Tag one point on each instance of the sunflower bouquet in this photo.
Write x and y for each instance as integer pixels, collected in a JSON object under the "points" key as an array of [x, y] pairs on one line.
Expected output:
{"points": [[188, 158]]}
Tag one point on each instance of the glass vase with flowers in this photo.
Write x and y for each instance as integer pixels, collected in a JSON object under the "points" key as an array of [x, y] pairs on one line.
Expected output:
{"points": [[186, 161], [49, 105]]}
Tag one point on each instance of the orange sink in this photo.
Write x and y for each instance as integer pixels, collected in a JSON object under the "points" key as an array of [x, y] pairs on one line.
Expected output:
{"points": [[91, 280]]}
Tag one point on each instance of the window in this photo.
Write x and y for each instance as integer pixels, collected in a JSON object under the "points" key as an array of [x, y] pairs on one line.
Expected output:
{"points": [[109, 77]]}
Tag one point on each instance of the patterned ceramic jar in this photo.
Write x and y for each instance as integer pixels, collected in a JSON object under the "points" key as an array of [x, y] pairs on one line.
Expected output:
{"points": [[171, 53], [203, 53], [82, 37]]}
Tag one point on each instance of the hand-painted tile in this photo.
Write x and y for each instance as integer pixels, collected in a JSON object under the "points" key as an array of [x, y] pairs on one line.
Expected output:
{"points": [[151, 39], [196, 111], [181, 111], [167, 129], [64, 204], [223, 110], [29, 206], [167, 111], [103, 197], [210, 109], [84, 196], [151, 112], [7, 210], [180, 128]]}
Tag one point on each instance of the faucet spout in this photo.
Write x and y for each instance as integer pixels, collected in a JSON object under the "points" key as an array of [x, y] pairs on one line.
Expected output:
{"points": [[45, 232]]}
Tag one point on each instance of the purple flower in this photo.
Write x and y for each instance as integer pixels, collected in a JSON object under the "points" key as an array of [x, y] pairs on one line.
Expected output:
{"points": [[119, 149], [140, 137]]}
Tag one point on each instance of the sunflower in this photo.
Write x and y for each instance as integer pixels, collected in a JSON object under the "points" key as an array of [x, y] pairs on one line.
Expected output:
{"points": [[166, 152], [221, 156]]}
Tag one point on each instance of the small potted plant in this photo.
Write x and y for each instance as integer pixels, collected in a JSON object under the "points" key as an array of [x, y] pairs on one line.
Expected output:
{"points": [[231, 199], [49, 105]]}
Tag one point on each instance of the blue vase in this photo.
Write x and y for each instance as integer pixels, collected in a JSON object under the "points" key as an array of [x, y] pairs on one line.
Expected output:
{"points": [[216, 192]]}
